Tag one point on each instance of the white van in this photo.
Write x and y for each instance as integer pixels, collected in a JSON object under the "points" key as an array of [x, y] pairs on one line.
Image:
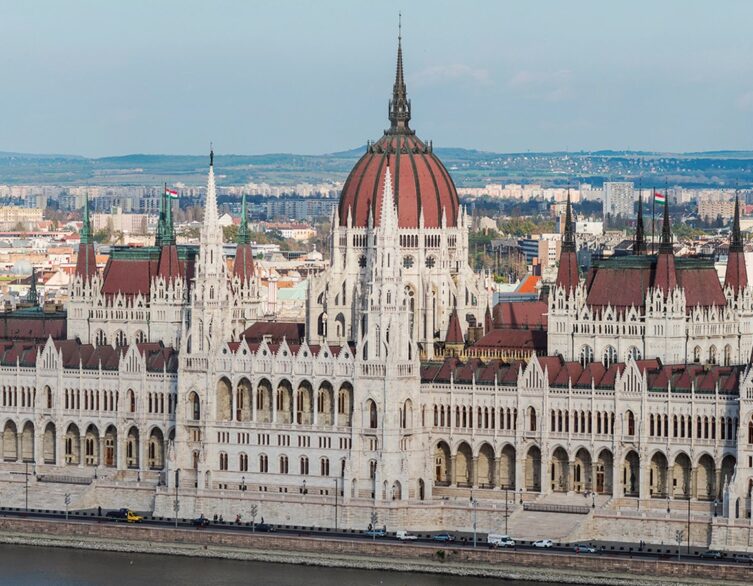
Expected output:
{"points": [[403, 535], [498, 540]]}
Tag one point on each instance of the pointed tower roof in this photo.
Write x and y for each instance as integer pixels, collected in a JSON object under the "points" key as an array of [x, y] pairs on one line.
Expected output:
{"points": [[567, 273], [454, 331], [736, 275], [210, 204], [399, 108], [640, 235], [243, 266], [86, 261], [168, 235], [666, 275], [488, 320], [161, 221]]}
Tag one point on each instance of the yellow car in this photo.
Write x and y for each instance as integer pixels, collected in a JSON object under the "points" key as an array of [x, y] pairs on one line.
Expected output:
{"points": [[125, 515], [132, 517]]}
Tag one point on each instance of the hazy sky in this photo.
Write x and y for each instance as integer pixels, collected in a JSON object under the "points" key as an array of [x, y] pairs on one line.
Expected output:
{"points": [[116, 77]]}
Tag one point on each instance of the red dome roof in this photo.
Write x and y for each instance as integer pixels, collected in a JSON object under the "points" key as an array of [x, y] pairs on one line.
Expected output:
{"points": [[420, 180]]}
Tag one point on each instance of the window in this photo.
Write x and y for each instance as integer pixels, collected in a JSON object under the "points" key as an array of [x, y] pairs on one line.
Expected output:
{"points": [[610, 356], [408, 262], [223, 461], [532, 419], [304, 466], [324, 466], [586, 355], [630, 423], [263, 463], [283, 464], [362, 261], [430, 262], [120, 338], [243, 463]]}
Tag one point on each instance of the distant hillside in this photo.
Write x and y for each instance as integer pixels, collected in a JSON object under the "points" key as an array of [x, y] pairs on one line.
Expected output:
{"points": [[468, 167]]}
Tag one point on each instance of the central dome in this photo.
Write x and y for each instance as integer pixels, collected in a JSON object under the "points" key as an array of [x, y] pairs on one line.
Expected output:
{"points": [[420, 181]]}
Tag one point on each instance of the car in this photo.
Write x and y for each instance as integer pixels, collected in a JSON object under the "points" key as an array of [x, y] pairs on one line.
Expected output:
{"points": [[405, 536], [495, 540], [583, 548], [711, 554], [743, 558], [264, 528], [125, 515], [444, 537], [547, 543], [376, 533], [200, 522]]}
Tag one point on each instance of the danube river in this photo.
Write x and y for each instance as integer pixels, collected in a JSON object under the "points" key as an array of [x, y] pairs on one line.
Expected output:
{"points": [[22, 565]]}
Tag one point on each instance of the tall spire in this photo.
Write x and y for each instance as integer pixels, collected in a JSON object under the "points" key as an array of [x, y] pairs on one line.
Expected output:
{"points": [[399, 107], [168, 236], [86, 230], [666, 231], [736, 275], [568, 239], [212, 229], [567, 272], [736, 239], [640, 236], [243, 235]]}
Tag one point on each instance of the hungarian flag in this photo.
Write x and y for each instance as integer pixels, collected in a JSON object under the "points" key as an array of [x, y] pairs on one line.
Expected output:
{"points": [[660, 197], [171, 193]]}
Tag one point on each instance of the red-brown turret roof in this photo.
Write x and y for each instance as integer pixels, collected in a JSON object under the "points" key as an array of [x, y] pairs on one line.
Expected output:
{"points": [[454, 331]]}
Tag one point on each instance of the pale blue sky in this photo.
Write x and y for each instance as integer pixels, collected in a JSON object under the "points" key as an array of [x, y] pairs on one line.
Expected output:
{"points": [[116, 77]]}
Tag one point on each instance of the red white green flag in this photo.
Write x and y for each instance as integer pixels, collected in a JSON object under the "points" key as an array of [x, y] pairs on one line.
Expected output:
{"points": [[660, 198], [171, 193]]}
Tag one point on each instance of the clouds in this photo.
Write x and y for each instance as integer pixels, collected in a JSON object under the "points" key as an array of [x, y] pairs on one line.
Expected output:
{"points": [[451, 74], [547, 86]]}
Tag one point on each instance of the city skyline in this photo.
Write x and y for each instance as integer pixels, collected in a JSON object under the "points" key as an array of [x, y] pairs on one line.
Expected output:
{"points": [[302, 79]]}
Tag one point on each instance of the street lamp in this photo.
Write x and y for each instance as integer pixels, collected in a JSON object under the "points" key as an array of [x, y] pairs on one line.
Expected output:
{"points": [[521, 496], [243, 483], [593, 500], [374, 520], [336, 495], [716, 504], [474, 505], [176, 504], [67, 502], [668, 505], [304, 490], [507, 511]]}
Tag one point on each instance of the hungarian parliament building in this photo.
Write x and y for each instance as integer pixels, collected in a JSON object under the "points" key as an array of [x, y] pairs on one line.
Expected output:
{"points": [[405, 382]]}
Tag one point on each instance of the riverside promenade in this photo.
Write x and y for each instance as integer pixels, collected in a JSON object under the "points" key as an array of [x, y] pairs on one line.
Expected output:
{"points": [[562, 568]]}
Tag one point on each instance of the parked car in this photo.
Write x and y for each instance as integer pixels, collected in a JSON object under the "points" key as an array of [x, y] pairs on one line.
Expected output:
{"points": [[743, 558], [444, 537], [125, 515], [543, 543], [264, 528], [712, 554], [200, 522], [376, 533], [583, 548], [497, 540], [405, 536]]}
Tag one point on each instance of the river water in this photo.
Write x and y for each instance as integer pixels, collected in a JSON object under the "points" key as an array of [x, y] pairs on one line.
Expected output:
{"points": [[39, 566]]}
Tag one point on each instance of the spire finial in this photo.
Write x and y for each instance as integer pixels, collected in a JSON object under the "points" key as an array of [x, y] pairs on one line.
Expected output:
{"points": [[568, 239], [211, 155], [399, 107]]}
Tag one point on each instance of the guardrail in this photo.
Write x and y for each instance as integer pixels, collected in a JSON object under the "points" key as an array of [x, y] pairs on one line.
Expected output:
{"points": [[545, 508], [64, 479]]}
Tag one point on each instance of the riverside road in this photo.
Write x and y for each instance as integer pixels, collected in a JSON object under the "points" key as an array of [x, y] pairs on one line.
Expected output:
{"points": [[617, 550]]}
